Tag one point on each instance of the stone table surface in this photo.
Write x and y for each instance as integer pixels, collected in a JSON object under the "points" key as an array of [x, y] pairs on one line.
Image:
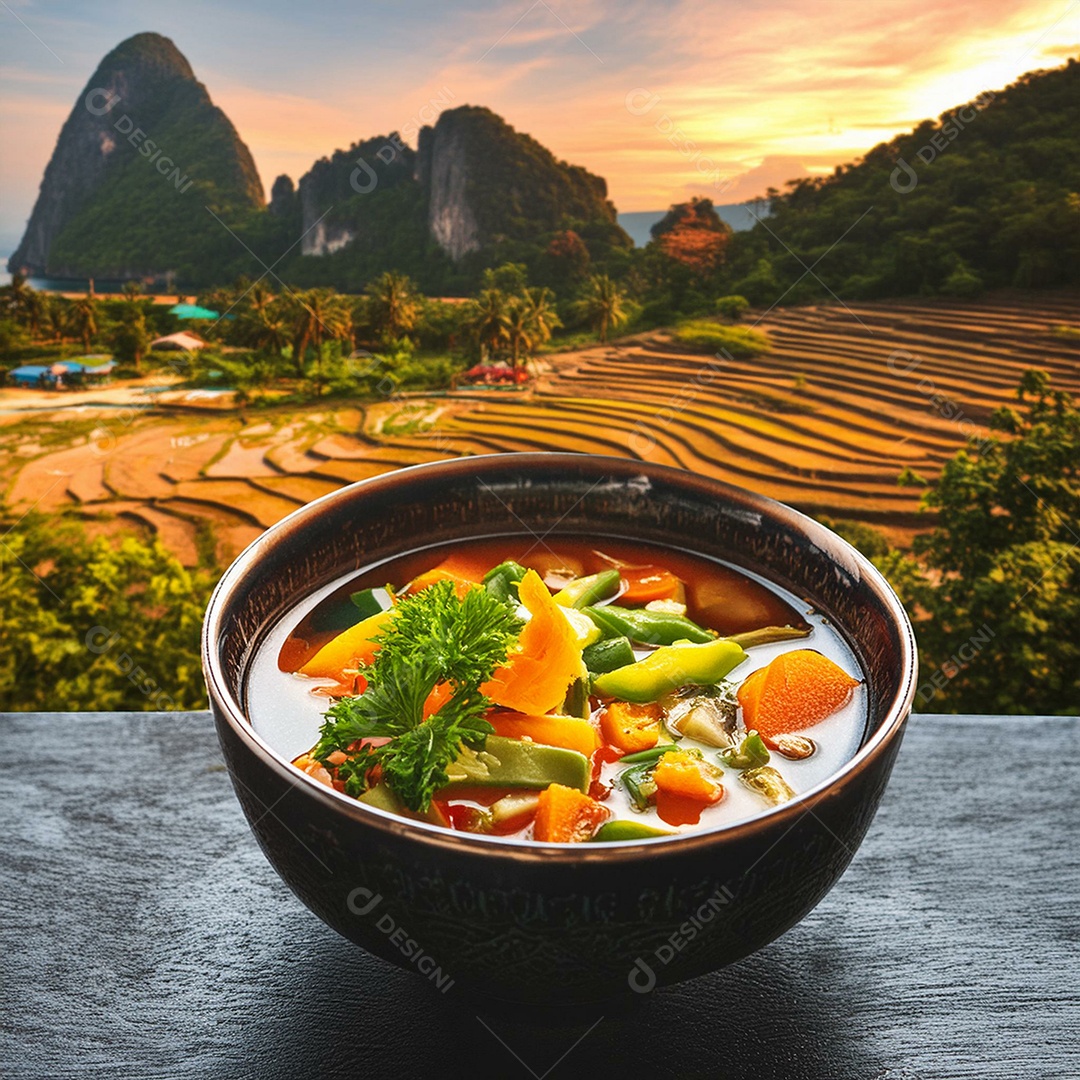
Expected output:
{"points": [[144, 934]]}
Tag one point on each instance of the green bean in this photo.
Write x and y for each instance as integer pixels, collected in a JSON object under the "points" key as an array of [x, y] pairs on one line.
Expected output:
{"points": [[608, 655], [647, 627]]}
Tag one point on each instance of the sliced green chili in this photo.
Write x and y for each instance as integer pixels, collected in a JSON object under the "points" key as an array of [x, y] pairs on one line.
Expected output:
{"points": [[583, 591], [668, 668], [751, 753]]}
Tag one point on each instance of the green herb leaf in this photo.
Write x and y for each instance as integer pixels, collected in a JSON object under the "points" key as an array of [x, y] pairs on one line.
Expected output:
{"points": [[434, 638]]}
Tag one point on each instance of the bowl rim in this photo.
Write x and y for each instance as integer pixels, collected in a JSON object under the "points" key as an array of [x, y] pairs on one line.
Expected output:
{"points": [[226, 707]]}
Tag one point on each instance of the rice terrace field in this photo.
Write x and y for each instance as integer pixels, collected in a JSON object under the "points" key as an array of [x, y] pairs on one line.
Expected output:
{"points": [[845, 399]]}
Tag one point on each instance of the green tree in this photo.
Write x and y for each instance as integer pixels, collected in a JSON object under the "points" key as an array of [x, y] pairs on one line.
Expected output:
{"points": [[393, 305], [85, 319], [999, 575], [95, 624], [602, 304], [489, 320]]}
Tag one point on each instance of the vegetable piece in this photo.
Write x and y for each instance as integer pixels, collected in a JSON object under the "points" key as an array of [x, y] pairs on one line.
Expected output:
{"points": [[569, 732], [797, 689], [612, 831], [688, 776], [752, 753], [631, 727], [461, 568], [586, 632], [510, 763], [584, 591], [535, 677], [433, 638], [708, 715], [792, 747], [576, 702], [565, 815], [654, 753], [768, 783], [514, 811], [640, 584], [608, 655], [670, 607], [382, 797], [502, 581], [640, 784], [371, 601], [670, 667], [349, 650], [768, 635], [647, 627]]}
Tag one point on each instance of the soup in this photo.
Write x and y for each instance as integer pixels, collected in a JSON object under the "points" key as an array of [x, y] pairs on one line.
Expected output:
{"points": [[567, 691]]}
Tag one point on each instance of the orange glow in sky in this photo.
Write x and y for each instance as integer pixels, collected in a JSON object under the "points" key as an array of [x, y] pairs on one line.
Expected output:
{"points": [[665, 100]]}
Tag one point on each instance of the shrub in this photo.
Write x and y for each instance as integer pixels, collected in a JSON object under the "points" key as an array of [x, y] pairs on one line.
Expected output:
{"points": [[737, 341], [732, 308]]}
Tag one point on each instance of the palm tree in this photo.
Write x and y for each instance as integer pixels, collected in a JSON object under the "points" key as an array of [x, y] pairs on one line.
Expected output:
{"points": [[543, 314], [489, 320], [265, 327], [602, 304], [319, 315], [393, 303], [84, 319]]}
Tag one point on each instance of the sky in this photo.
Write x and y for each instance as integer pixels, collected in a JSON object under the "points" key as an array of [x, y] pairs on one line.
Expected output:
{"points": [[663, 99]]}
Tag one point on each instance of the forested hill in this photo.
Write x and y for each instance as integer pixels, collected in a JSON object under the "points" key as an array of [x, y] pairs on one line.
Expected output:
{"points": [[987, 195]]}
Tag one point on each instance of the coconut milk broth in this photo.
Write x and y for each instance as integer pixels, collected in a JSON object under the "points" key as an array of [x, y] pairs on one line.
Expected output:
{"points": [[286, 709]]}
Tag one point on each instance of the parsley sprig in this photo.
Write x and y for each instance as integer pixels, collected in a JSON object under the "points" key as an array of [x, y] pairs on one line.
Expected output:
{"points": [[435, 637]]}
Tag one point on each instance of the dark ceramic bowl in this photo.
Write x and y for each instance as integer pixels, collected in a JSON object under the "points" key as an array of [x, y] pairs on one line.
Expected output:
{"points": [[558, 922]]}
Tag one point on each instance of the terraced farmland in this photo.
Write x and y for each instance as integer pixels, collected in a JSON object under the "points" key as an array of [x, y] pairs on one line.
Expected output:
{"points": [[846, 398]]}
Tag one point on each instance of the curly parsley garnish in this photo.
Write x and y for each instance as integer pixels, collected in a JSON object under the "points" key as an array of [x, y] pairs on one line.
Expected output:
{"points": [[434, 638]]}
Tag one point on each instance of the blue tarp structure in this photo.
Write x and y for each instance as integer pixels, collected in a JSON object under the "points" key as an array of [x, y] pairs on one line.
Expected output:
{"points": [[31, 375], [192, 311]]}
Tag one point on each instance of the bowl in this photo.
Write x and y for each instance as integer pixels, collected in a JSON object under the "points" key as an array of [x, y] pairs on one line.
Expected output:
{"points": [[554, 922]]}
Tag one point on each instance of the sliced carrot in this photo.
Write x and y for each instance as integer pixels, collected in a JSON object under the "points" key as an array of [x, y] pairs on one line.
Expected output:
{"points": [[464, 570], [566, 731], [631, 727], [534, 679], [640, 584], [681, 774], [565, 815], [440, 694], [798, 689], [348, 650]]}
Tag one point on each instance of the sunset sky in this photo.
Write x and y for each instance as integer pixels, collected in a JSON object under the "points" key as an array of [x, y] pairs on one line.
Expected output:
{"points": [[665, 100]]}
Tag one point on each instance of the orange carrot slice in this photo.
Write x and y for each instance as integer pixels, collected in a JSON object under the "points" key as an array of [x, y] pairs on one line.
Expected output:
{"points": [[568, 732], [681, 774], [534, 679], [565, 815], [462, 569], [348, 650], [640, 584], [631, 727], [798, 689]]}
